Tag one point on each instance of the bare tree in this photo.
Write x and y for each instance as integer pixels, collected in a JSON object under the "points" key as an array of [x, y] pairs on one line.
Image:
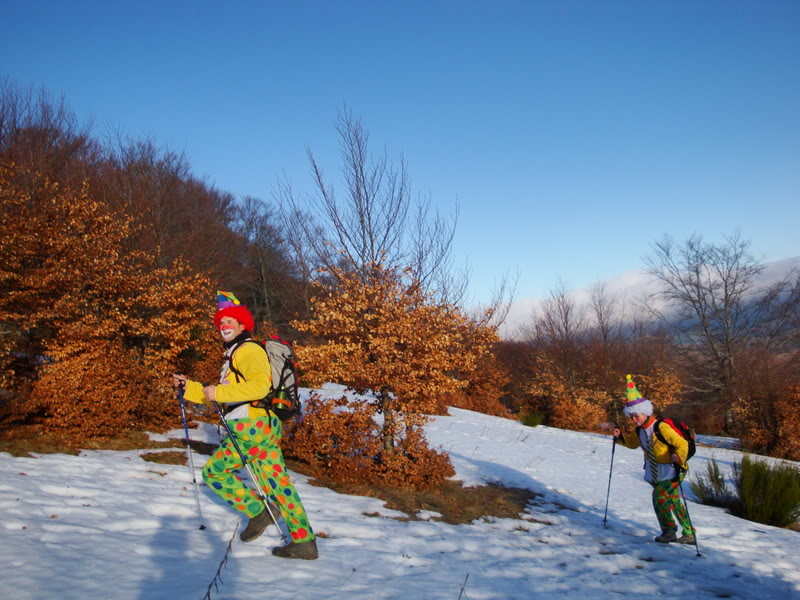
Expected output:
{"points": [[303, 247], [606, 335], [375, 221], [559, 327], [41, 133], [178, 214], [267, 255], [146, 182], [712, 304], [606, 314]]}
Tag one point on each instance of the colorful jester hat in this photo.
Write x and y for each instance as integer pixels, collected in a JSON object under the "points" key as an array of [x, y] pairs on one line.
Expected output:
{"points": [[636, 405], [229, 306]]}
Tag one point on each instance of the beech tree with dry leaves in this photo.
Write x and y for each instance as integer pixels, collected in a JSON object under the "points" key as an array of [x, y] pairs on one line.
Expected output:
{"points": [[89, 329], [386, 336]]}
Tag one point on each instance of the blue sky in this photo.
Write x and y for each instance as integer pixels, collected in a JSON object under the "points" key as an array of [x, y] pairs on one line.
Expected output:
{"points": [[571, 134]]}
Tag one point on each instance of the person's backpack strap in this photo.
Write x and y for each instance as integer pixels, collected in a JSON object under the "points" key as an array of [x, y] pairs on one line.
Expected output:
{"points": [[672, 448], [237, 373], [660, 435]]}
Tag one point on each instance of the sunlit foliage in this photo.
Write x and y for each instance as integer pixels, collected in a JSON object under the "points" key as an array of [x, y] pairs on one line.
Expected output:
{"points": [[91, 330]]}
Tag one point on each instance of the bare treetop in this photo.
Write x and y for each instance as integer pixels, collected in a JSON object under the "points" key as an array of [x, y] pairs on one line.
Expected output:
{"points": [[375, 220]]}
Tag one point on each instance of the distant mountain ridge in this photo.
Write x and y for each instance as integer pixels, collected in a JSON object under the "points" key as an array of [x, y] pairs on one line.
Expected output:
{"points": [[628, 287]]}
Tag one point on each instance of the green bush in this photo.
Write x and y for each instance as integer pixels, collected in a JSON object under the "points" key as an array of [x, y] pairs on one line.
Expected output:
{"points": [[768, 493], [762, 492], [712, 489], [532, 419]]}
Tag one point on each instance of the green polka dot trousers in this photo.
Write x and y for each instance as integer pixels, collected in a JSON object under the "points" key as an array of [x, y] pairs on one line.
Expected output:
{"points": [[258, 440]]}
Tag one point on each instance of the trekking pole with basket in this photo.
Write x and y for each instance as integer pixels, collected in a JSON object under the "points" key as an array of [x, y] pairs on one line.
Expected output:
{"points": [[249, 469], [610, 470], [190, 460], [686, 506]]}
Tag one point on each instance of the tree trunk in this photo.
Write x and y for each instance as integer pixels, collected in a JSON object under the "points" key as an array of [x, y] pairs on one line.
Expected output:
{"points": [[389, 422]]}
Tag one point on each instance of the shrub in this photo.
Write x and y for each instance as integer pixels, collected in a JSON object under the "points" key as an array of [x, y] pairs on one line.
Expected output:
{"points": [[565, 402], [762, 492], [388, 336], [487, 376], [335, 437], [578, 411], [766, 413], [339, 439], [91, 328], [712, 489], [532, 419], [412, 464], [768, 493], [788, 420]]}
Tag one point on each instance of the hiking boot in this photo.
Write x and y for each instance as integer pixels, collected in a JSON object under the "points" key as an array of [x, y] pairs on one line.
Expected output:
{"points": [[666, 537], [304, 550], [257, 525], [686, 539]]}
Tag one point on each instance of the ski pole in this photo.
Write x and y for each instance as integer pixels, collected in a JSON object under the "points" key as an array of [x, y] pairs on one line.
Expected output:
{"points": [[686, 506], [258, 491], [608, 493], [190, 461]]}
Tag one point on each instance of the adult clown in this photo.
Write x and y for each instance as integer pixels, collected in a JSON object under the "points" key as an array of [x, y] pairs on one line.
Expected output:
{"points": [[665, 466], [244, 380]]}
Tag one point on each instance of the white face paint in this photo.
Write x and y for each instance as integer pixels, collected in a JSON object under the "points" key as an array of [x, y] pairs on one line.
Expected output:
{"points": [[229, 328]]}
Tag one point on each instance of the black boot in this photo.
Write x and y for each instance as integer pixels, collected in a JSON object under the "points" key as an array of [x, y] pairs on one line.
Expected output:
{"points": [[257, 525], [304, 550]]}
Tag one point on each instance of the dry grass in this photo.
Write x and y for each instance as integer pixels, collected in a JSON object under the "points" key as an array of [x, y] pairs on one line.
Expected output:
{"points": [[25, 441], [455, 503], [178, 458], [165, 458]]}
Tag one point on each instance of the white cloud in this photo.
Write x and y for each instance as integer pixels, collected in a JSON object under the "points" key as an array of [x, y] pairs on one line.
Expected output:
{"points": [[628, 288]]}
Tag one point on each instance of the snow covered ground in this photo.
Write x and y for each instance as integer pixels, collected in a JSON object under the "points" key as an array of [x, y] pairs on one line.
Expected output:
{"points": [[109, 525]]}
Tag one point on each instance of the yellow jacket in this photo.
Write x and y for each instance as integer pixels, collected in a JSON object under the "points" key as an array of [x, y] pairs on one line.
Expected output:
{"points": [[251, 361], [661, 451]]}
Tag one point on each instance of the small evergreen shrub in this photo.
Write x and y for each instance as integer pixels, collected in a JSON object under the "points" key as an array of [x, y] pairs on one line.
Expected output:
{"points": [[762, 492], [712, 489], [533, 419], [768, 493]]}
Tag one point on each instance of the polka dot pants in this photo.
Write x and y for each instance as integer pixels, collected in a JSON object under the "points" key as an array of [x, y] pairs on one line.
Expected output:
{"points": [[258, 440], [667, 502]]}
